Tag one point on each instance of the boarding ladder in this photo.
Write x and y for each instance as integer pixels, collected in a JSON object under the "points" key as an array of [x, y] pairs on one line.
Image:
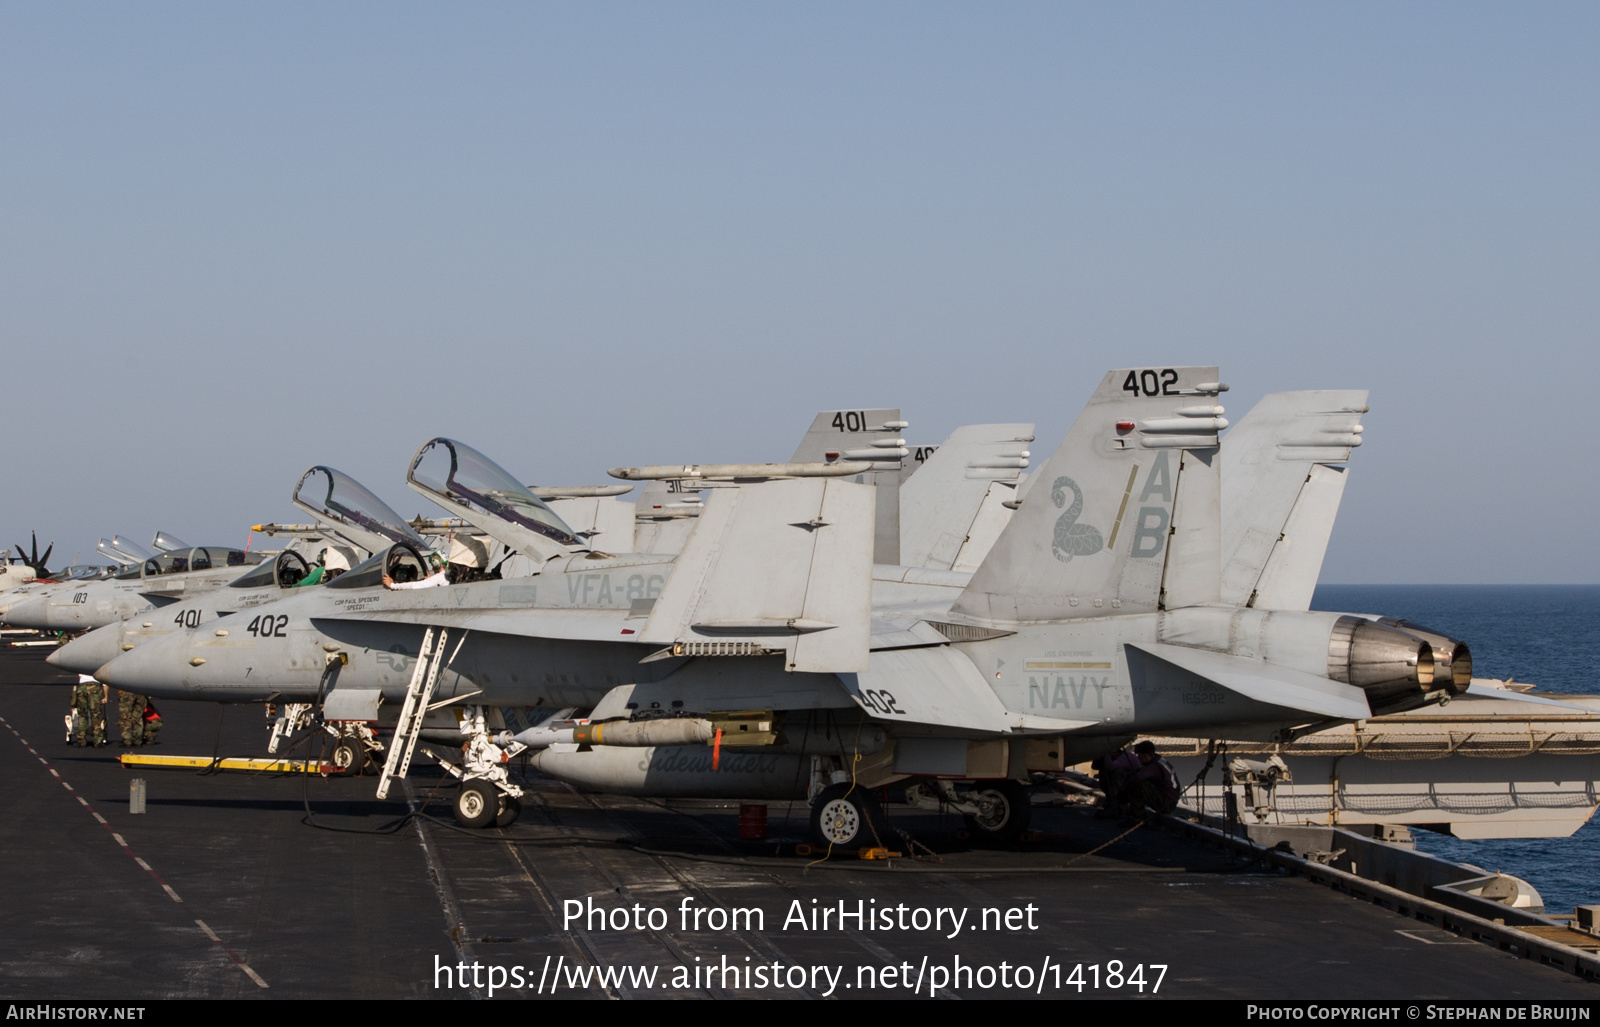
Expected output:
{"points": [[424, 679]]}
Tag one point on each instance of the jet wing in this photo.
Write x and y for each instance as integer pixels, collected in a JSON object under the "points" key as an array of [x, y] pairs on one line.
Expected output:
{"points": [[1265, 682], [784, 566], [574, 625], [939, 687]]}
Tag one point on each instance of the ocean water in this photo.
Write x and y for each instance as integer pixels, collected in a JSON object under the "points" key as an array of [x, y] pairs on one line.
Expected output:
{"points": [[1546, 635]]}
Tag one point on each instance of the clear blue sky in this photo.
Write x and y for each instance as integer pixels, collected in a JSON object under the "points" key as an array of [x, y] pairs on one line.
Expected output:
{"points": [[241, 239]]}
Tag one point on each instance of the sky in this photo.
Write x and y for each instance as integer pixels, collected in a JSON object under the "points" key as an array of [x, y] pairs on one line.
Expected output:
{"points": [[237, 240]]}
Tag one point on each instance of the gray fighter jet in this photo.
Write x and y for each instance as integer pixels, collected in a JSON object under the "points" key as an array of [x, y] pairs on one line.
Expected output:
{"points": [[161, 580], [1097, 613], [1283, 475], [350, 518]]}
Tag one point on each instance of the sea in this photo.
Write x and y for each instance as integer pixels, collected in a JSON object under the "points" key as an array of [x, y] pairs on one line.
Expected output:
{"points": [[1544, 635]]}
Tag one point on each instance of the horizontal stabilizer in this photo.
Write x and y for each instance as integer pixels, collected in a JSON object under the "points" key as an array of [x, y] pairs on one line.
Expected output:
{"points": [[1480, 691], [939, 686], [1266, 682]]}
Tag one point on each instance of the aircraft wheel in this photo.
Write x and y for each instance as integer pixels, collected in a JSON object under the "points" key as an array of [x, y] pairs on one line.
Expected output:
{"points": [[510, 809], [348, 755], [846, 818], [1007, 815], [477, 803], [370, 765]]}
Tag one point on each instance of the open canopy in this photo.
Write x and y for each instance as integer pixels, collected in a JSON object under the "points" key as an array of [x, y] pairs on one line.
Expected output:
{"points": [[475, 488], [350, 508]]}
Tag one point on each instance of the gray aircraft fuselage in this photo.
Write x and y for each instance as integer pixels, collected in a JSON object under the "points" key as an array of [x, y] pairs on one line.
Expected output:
{"points": [[1092, 672], [94, 604]]}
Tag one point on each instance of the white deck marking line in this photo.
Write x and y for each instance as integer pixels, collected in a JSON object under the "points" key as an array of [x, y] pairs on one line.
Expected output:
{"points": [[171, 893], [235, 956]]}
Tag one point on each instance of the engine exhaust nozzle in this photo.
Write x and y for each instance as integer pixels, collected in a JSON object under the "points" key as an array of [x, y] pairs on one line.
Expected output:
{"points": [[1452, 660], [1392, 666]]}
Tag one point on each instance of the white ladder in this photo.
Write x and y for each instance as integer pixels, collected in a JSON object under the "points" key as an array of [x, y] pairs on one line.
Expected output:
{"points": [[418, 694]]}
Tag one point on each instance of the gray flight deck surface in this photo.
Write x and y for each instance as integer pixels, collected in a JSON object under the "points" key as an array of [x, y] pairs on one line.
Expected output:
{"points": [[263, 896]]}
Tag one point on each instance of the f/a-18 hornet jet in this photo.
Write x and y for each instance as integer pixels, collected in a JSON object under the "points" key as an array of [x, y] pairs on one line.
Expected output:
{"points": [[349, 518], [1097, 613], [179, 570]]}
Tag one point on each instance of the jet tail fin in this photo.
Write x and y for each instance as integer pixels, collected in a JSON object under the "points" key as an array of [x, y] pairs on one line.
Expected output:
{"points": [[1281, 493], [873, 435], [943, 502], [1098, 533], [782, 566]]}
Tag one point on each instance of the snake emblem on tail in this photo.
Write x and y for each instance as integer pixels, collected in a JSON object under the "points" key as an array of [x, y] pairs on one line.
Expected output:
{"points": [[1072, 539]]}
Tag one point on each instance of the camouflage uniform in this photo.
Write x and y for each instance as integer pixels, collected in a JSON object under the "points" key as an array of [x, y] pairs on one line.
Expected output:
{"points": [[152, 721], [130, 717], [89, 698]]}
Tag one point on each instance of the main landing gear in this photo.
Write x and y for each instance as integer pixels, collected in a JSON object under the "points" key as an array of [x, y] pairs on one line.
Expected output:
{"points": [[487, 796], [996, 812]]}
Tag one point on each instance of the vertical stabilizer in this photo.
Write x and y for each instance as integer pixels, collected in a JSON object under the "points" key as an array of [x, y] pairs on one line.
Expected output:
{"points": [[873, 435], [1292, 570], [1277, 475], [942, 503], [1092, 538], [1194, 546]]}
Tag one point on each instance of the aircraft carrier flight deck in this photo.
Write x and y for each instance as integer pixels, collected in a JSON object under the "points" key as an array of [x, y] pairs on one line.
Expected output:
{"points": [[225, 888]]}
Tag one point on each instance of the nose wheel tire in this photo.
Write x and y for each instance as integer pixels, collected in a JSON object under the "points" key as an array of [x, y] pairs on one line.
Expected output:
{"points": [[510, 809], [847, 818], [348, 756], [477, 804], [1005, 812]]}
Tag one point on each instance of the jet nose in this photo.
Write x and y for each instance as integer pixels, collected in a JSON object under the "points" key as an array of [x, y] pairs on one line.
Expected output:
{"points": [[35, 614], [137, 670], [87, 653], [161, 667]]}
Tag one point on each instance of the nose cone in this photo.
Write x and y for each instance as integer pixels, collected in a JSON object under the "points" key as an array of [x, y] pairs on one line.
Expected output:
{"points": [[188, 665], [151, 669], [35, 614], [147, 670], [88, 653]]}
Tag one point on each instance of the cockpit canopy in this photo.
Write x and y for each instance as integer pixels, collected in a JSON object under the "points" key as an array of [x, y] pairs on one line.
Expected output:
{"points": [[402, 562], [123, 557], [287, 571], [199, 558], [166, 542], [84, 572], [477, 489], [343, 503]]}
